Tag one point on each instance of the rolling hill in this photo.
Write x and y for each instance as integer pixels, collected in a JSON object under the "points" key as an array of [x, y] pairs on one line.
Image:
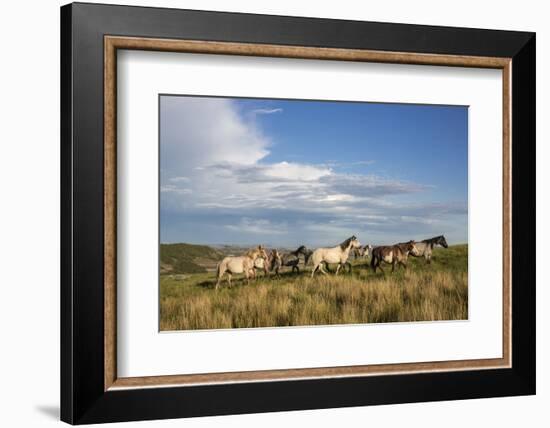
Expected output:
{"points": [[188, 258]]}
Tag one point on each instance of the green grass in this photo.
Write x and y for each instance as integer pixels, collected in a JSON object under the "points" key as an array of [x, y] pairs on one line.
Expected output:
{"points": [[422, 293]]}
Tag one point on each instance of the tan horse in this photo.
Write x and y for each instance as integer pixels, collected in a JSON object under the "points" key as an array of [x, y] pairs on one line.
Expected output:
{"points": [[260, 264], [392, 254], [240, 264], [338, 254]]}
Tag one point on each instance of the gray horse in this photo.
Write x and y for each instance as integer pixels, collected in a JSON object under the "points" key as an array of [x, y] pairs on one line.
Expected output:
{"points": [[425, 247]]}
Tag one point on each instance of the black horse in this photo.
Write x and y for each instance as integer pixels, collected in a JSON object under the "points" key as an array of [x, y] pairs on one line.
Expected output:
{"points": [[292, 258]]}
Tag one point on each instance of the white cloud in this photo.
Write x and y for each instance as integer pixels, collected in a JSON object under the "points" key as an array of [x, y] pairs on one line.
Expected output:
{"points": [[267, 110], [196, 132], [180, 179], [174, 189], [294, 171], [282, 172], [339, 198], [349, 164]]}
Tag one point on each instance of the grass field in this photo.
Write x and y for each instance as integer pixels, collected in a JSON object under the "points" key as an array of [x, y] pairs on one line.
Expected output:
{"points": [[422, 293]]}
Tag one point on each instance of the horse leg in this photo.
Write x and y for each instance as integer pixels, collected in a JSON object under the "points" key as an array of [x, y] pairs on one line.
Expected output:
{"points": [[220, 276], [322, 270], [373, 262], [338, 268], [229, 279], [313, 270]]}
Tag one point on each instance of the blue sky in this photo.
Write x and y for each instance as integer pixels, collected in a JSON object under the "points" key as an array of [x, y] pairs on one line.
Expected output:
{"points": [[291, 172]]}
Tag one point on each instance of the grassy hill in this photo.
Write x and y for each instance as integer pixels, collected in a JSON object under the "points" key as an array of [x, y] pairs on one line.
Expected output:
{"points": [[438, 291], [187, 258]]}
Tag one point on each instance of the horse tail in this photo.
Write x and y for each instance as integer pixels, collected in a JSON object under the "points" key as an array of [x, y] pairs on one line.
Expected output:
{"points": [[373, 260]]}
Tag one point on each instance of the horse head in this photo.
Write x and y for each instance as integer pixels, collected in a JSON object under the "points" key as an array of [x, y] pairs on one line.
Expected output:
{"points": [[350, 243], [257, 253], [442, 241], [365, 250], [262, 253], [411, 248]]}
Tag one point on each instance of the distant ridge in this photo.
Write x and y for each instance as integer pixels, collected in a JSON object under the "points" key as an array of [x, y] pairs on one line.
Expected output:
{"points": [[188, 258]]}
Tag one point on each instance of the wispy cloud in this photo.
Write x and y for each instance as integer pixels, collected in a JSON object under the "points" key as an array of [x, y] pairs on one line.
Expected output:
{"points": [[174, 189], [179, 179], [336, 164], [258, 226], [267, 110]]}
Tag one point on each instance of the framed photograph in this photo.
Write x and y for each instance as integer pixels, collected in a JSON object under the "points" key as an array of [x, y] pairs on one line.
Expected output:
{"points": [[267, 213]]}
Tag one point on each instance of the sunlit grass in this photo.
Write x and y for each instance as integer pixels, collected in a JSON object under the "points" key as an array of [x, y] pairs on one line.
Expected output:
{"points": [[422, 293]]}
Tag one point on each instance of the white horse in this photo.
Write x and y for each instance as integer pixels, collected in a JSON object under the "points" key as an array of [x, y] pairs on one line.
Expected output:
{"points": [[338, 254], [241, 264]]}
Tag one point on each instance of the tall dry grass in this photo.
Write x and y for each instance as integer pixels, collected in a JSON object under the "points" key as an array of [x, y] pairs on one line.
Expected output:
{"points": [[423, 293]]}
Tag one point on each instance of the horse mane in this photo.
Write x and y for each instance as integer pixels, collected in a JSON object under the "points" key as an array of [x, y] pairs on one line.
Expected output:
{"points": [[403, 245], [432, 240], [300, 249], [251, 252], [345, 244]]}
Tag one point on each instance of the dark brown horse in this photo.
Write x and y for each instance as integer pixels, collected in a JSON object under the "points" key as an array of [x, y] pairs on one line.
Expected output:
{"points": [[392, 254]]}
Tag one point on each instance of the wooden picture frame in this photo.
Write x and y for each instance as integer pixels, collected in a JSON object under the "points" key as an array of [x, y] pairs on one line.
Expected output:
{"points": [[91, 390]]}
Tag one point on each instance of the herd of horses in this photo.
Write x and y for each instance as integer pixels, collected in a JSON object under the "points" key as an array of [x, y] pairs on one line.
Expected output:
{"points": [[259, 259]]}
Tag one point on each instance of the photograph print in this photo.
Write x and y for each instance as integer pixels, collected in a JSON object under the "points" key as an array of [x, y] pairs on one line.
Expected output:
{"points": [[281, 213]]}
